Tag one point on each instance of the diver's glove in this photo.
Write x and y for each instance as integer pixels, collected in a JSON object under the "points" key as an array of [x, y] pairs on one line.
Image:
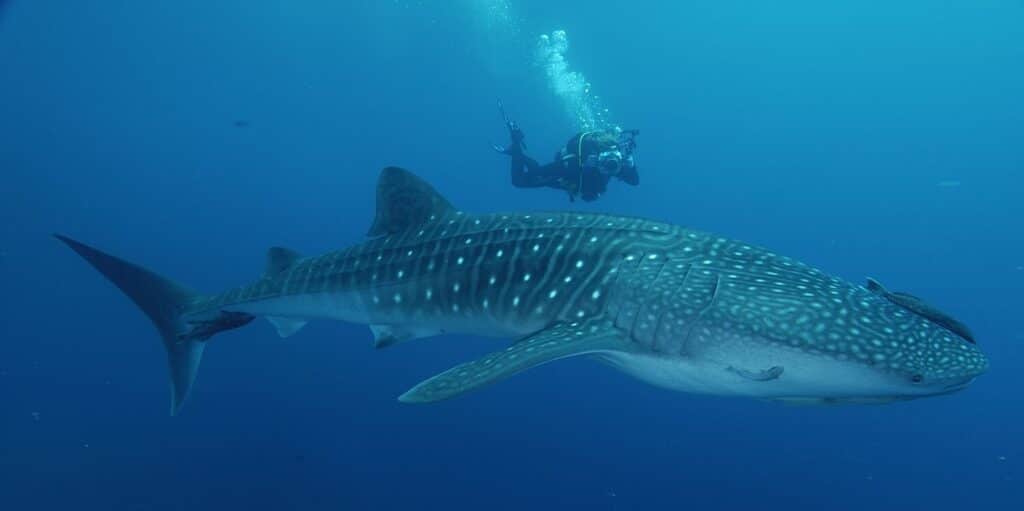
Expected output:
{"points": [[516, 145], [515, 133]]}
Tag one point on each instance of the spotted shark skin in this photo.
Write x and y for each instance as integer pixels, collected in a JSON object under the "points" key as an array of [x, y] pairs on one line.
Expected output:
{"points": [[676, 307]]}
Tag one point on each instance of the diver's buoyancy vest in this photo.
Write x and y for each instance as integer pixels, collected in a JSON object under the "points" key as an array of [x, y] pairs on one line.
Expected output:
{"points": [[572, 155]]}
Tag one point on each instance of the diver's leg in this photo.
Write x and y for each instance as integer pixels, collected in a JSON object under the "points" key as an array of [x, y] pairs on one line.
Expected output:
{"points": [[526, 172]]}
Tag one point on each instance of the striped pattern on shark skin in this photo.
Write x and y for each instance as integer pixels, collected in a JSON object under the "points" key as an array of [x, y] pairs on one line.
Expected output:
{"points": [[497, 270]]}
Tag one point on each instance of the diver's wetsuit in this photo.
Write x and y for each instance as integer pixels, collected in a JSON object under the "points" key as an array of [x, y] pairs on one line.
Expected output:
{"points": [[563, 174]]}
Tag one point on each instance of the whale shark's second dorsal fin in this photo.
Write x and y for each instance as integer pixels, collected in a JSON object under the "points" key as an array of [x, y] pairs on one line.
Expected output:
{"points": [[405, 201]]}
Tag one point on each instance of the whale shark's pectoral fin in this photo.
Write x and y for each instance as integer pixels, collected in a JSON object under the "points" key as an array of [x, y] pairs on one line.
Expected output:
{"points": [[769, 374], [558, 341], [386, 335]]}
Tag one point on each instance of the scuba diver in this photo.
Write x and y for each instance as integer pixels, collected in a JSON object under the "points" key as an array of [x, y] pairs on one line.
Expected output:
{"points": [[583, 168]]}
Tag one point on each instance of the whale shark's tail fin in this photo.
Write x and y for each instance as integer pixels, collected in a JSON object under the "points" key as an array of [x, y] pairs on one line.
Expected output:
{"points": [[164, 302]]}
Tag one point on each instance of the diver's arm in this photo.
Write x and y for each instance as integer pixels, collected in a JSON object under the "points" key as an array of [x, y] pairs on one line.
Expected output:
{"points": [[630, 176]]}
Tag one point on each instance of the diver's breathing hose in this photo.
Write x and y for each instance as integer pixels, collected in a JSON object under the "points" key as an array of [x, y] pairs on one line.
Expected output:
{"points": [[579, 158]]}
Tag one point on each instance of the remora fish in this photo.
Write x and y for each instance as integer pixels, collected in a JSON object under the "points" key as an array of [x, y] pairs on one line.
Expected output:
{"points": [[679, 308]]}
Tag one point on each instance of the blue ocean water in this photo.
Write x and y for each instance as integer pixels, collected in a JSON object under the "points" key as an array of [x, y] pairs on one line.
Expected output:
{"points": [[865, 138]]}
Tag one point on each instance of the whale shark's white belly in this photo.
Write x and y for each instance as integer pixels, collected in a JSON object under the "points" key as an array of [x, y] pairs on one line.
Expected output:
{"points": [[734, 367]]}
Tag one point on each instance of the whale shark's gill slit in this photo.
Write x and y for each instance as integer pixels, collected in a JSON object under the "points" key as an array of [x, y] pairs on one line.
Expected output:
{"points": [[616, 273], [624, 292], [699, 316], [661, 268], [692, 320], [668, 309], [714, 295]]}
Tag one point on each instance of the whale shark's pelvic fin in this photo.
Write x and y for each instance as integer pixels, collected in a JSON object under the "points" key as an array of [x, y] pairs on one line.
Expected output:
{"points": [[286, 327], [558, 341]]}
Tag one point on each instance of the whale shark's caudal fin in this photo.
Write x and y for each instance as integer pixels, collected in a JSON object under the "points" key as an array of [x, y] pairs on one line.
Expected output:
{"points": [[163, 301]]}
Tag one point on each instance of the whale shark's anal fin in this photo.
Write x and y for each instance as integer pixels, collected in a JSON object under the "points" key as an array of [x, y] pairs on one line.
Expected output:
{"points": [[561, 340], [405, 201]]}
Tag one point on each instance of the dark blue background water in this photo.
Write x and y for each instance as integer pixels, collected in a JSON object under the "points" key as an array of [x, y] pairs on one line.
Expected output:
{"points": [[866, 138]]}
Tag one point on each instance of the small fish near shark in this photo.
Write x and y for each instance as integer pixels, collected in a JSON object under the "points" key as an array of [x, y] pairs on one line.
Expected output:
{"points": [[678, 308], [919, 307]]}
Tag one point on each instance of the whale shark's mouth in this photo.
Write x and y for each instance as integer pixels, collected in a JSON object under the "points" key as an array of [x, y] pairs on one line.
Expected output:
{"points": [[953, 387], [875, 400], [866, 400]]}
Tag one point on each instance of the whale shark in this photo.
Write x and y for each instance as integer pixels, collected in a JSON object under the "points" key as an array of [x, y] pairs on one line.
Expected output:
{"points": [[676, 307]]}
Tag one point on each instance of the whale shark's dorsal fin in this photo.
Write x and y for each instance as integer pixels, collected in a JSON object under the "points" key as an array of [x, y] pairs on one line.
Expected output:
{"points": [[557, 341], [405, 201], [280, 259]]}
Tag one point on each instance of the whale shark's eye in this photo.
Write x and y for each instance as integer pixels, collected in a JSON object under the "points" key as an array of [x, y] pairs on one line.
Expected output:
{"points": [[917, 378]]}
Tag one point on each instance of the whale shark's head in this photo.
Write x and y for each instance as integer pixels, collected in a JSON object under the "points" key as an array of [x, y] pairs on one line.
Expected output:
{"points": [[929, 352], [924, 359], [807, 337], [883, 353]]}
